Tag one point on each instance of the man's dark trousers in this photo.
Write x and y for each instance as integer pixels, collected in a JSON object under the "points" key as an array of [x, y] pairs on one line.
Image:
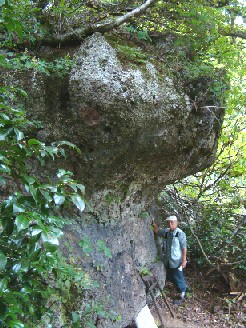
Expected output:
{"points": [[176, 277]]}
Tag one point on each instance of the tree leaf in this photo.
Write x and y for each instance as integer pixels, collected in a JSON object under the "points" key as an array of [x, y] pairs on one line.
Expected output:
{"points": [[61, 173], [17, 208], [67, 283], [4, 168], [86, 245], [19, 134], [3, 261], [2, 181], [21, 222], [36, 231], [76, 186], [33, 191], [59, 199], [81, 187], [78, 202], [75, 317], [34, 142], [49, 187], [4, 284], [34, 256], [46, 195], [52, 237], [50, 248], [16, 268], [4, 133], [29, 179]]}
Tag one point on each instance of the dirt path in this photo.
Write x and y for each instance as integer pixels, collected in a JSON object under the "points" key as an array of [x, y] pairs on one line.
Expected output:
{"points": [[208, 304], [186, 316], [178, 323]]}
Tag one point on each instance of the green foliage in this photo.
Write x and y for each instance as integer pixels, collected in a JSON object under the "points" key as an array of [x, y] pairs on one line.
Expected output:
{"points": [[88, 248], [212, 203], [30, 224], [144, 215], [34, 276], [18, 22], [101, 246], [141, 34], [144, 271], [33, 273], [112, 198], [131, 54], [23, 61]]}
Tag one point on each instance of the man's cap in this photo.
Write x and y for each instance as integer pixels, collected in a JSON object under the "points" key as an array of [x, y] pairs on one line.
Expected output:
{"points": [[172, 218]]}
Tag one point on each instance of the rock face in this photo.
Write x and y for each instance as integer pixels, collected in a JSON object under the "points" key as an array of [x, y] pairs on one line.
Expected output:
{"points": [[133, 248], [137, 132]]}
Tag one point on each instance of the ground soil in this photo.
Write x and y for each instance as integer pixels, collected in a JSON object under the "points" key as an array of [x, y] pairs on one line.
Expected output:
{"points": [[210, 302]]}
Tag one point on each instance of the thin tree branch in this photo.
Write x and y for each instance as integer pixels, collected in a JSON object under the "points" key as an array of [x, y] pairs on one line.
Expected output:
{"points": [[232, 263], [213, 184], [191, 229], [241, 224], [77, 35], [236, 34]]}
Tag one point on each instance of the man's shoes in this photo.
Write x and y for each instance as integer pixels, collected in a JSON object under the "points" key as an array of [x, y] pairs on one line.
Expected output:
{"points": [[180, 300]]}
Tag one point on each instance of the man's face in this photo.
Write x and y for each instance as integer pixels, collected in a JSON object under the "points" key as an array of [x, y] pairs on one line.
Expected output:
{"points": [[172, 225]]}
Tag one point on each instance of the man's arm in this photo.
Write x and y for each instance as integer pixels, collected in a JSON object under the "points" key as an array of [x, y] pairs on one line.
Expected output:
{"points": [[159, 231], [183, 246], [155, 228], [184, 252]]}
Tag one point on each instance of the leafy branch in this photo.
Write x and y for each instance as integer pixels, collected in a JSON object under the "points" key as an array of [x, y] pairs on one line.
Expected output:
{"points": [[77, 35], [234, 34], [30, 226]]}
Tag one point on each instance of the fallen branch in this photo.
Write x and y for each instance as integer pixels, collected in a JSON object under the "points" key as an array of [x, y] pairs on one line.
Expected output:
{"points": [[77, 35]]}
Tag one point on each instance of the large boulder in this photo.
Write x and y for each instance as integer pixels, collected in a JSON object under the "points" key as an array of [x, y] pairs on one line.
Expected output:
{"points": [[131, 125], [137, 131]]}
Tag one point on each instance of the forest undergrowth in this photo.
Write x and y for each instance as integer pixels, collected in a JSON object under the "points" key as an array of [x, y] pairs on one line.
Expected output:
{"points": [[214, 299]]}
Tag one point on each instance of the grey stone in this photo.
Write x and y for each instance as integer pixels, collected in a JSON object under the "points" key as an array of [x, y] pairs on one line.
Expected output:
{"points": [[136, 133]]}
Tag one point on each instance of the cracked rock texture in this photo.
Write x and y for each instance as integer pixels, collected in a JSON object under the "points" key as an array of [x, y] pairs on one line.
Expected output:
{"points": [[137, 132]]}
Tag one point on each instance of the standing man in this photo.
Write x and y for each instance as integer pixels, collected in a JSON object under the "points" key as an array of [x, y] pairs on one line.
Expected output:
{"points": [[175, 250]]}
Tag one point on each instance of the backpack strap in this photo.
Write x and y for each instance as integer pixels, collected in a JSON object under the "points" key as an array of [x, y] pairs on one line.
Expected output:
{"points": [[166, 233]]}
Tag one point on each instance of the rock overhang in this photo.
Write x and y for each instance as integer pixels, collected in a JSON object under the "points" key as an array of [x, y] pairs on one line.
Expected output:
{"points": [[131, 124], [135, 124]]}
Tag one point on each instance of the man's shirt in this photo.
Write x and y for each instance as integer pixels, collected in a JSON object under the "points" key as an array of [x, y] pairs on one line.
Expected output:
{"points": [[173, 244]]}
